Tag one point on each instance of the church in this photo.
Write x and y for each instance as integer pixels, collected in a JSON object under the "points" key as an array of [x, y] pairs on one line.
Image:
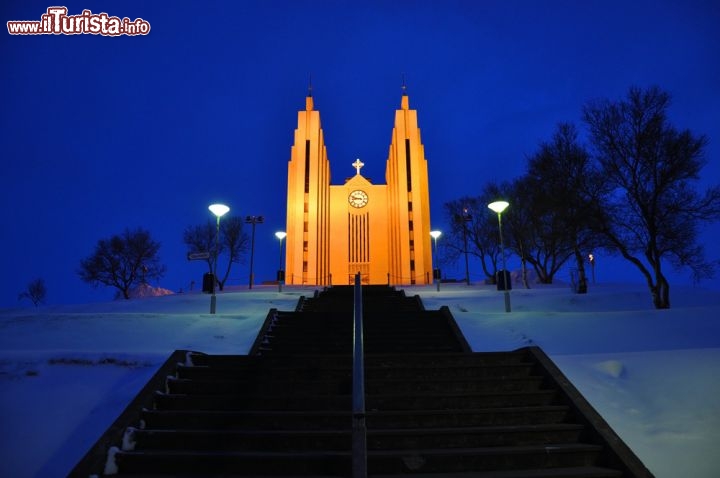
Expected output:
{"points": [[335, 231]]}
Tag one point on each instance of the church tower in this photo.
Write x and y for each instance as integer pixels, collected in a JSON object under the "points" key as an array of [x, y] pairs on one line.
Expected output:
{"points": [[307, 242], [408, 201], [381, 231]]}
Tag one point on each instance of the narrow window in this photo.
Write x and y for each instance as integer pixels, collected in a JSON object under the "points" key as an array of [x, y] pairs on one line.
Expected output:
{"points": [[407, 165], [307, 166]]}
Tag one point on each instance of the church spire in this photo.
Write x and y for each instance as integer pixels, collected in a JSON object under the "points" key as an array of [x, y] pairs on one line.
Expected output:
{"points": [[404, 102], [309, 98]]}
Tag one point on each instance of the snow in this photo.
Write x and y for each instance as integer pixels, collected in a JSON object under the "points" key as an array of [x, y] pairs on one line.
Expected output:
{"points": [[145, 290], [67, 371], [111, 467]]}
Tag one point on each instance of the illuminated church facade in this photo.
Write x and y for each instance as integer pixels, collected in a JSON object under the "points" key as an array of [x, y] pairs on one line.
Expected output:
{"points": [[381, 231]]}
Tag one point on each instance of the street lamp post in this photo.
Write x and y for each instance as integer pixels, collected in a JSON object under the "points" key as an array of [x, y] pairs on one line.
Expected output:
{"points": [[466, 217], [280, 274], [253, 220], [219, 210], [435, 235], [499, 207]]}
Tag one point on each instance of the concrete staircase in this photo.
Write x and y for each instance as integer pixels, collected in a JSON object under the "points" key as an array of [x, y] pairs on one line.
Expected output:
{"points": [[434, 408]]}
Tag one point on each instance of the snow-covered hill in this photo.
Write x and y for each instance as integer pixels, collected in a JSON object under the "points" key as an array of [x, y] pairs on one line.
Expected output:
{"points": [[66, 372]]}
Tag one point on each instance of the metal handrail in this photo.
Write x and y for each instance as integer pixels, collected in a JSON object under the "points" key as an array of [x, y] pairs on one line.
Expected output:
{"points": [[359, 430]]}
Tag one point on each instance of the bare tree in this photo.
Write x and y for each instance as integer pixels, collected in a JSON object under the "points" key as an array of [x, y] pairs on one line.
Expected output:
{"points": [[235, 240], [472, 224], [122, 261], [564, 189], [465, 236], [201, 238], [232, 239], [653, 210], [544, 241], [518, 222], [35, 292]]}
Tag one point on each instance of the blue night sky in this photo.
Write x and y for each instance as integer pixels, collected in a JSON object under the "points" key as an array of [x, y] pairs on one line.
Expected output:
{"points": [[102, 133]]}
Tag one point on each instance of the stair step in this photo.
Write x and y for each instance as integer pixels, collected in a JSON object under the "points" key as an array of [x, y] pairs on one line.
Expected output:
{"points": [[483, 459], [424, 461], [321, 420], [468, 417], [444, 359], [294, 350], [252, 373], [299, 327], [472, 437], [205, 463], [166, 401], [243, 440], [261, 386], [303, 332], [437, 334], [469, 372], [438, 401], [320, 341], [571, 472], [340, 439], [245, 419], [400, 321], [252, 361], [437, 339], [452, 385], [410, 331], [574, 472], [401, 348]]}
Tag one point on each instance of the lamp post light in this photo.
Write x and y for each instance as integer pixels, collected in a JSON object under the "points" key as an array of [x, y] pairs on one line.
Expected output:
{"points": [[253, 220], [499, 207], [466, 217], [219, 210], [280, 274], [435, 235]]}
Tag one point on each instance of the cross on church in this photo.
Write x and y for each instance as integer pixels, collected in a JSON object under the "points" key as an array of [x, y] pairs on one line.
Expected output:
{"points": [[357, 165]]}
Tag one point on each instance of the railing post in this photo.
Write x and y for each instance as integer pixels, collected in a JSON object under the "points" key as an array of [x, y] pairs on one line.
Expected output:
{"points": [[359, 431]]}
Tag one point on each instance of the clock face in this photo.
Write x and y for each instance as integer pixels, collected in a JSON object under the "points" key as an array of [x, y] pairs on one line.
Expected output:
{"points": [[358, 198]]}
